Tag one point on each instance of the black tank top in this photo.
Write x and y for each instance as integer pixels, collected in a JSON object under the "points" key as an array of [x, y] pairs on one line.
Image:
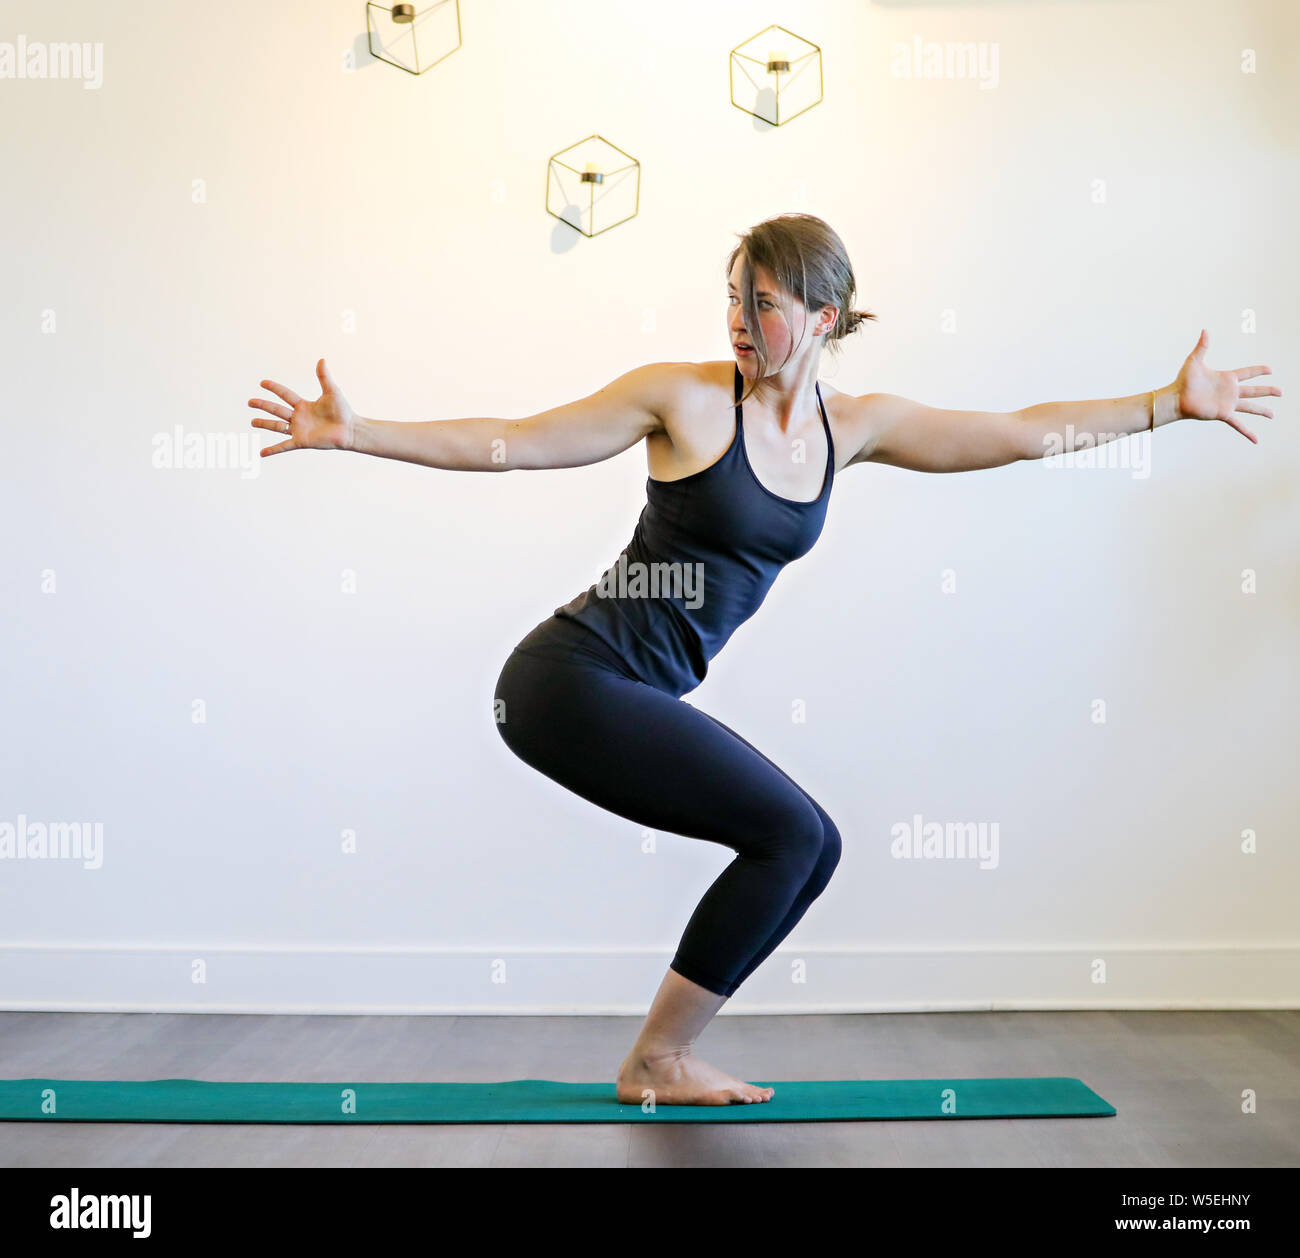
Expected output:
{"points": [[705, 552]]}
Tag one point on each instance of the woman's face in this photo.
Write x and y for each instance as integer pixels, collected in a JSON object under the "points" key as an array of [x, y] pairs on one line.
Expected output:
{"points": [[778, 337]]}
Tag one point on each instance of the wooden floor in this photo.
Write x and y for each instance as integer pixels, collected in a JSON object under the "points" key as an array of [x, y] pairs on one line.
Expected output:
{"points": [[1177, 1080]]}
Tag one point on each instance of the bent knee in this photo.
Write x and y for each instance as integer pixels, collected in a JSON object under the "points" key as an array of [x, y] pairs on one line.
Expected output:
{"points": [[825, 850], [832, 844], [797, 834]]}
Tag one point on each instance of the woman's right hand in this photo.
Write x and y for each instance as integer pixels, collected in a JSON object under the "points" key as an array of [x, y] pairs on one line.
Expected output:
{"points": [[328, 423]]}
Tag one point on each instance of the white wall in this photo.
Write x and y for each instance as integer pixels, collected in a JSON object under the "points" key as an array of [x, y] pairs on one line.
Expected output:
{"points": [[417, 204]]}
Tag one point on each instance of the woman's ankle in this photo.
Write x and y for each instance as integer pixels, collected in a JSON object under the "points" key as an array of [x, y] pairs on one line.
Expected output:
{"points": [[656, 1052]]}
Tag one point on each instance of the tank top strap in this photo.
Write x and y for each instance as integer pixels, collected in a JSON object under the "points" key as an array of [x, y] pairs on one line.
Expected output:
{"points": [[739, 382], [822, 406], [826, 424]]}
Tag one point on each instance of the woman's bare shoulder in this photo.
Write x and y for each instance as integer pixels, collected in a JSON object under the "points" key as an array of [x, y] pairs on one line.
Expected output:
{"points": [[687, 387]]}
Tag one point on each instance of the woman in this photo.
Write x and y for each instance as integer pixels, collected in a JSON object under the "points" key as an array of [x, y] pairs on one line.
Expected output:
{"points": [[592, 697]]}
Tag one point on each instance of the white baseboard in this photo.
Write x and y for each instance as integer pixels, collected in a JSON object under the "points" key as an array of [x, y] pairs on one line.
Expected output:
{"points": [[291, 979]]}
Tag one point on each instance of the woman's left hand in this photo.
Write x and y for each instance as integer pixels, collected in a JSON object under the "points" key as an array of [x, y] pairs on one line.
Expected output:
{"points": [[1204, 393]]}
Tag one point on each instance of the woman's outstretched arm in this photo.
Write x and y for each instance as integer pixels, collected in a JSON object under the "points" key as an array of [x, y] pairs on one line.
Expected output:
{"points": [[586, 431], [1199, 392], [906, 434]]}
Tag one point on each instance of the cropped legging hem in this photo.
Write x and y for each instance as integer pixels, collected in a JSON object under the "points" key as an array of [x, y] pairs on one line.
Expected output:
{"points": [[701, 978]]}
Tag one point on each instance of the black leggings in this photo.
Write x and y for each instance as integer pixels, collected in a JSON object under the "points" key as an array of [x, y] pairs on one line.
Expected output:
{"points": [[568, 706]]}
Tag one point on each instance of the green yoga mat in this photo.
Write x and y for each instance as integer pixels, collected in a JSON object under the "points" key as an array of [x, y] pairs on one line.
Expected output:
{"points": [[529, 1101]]}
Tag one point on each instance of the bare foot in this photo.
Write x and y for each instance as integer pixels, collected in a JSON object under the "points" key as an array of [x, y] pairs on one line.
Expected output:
{"points": [[681, 1078]]}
